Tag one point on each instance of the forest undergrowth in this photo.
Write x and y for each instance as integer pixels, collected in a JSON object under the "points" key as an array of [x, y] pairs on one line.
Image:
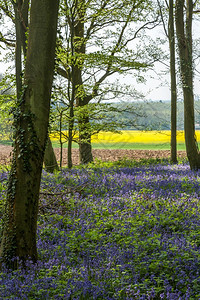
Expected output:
{"points": [[123, 230]]}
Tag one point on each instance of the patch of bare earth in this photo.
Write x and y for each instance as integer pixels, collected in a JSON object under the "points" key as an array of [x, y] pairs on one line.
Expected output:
{"points": [[102, 154]]}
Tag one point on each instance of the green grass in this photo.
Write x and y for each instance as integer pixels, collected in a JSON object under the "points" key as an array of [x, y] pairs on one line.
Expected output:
{"points": [[132, 146], [6, 142], [121, 145], [138, 146]]}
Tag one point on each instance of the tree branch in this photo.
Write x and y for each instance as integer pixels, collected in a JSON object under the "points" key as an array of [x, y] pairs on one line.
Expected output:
{"points": [[62, 72], [7, 42]]}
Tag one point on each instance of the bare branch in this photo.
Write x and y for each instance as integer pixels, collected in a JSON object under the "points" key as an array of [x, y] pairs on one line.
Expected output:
{"points": [[7, 42], [161, 14], [145, 26]]}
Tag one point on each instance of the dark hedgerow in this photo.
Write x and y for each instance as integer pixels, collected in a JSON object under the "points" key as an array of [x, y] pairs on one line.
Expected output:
{"points": [[114, 233]]}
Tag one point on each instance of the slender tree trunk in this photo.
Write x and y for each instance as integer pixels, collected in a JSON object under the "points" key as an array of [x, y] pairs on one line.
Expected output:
{"points": [[31, 124], [173, 83], [71, 97], [61, 154], [50, 161], [69, 152], [60, 138], [85, 147], [70, 134], [184, 36]]}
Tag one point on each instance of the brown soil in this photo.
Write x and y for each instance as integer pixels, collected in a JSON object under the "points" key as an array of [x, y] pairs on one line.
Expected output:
{"points": [[102, 154]]}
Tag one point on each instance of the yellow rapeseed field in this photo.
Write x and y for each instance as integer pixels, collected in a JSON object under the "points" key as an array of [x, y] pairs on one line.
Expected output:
{"points": [[135, 136]]}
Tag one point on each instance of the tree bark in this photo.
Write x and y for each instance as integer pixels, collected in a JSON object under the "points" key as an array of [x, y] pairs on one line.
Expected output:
{"points": [[21, 9], [31, 125], [184, 36], [21, 23], [70, 135], [173, 82], [85, 148], [50, 161], [78, 45]]}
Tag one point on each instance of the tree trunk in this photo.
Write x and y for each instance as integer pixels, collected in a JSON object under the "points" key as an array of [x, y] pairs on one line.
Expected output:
{"points": [[21, 24], [70, 135], [31, 125], [85, 151], [50, 161], [18, 58], [85, 148], [184, 36], [173, 82]]}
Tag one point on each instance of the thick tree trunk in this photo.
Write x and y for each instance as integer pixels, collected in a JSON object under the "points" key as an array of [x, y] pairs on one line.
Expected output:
{"points": [[18, 58], [21, 8], [173, 83], [184, 36], [31, 123], [85, 148], [21, 23], [50, 161], [85, 151]]}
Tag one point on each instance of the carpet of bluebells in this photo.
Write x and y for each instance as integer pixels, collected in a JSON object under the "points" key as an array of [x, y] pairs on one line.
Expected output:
{"points": [[118, 232]]}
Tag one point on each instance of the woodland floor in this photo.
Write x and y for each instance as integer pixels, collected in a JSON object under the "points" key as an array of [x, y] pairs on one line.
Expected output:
{"points": [[102, 154]]}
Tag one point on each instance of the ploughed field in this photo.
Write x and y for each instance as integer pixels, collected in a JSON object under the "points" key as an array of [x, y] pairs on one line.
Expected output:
{"points": [[128, 231], [102, 154]]}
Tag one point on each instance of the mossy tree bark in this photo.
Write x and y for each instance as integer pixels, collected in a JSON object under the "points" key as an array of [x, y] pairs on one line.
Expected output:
{"points": [[184, 36], [31, 124], [21, 8]]}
